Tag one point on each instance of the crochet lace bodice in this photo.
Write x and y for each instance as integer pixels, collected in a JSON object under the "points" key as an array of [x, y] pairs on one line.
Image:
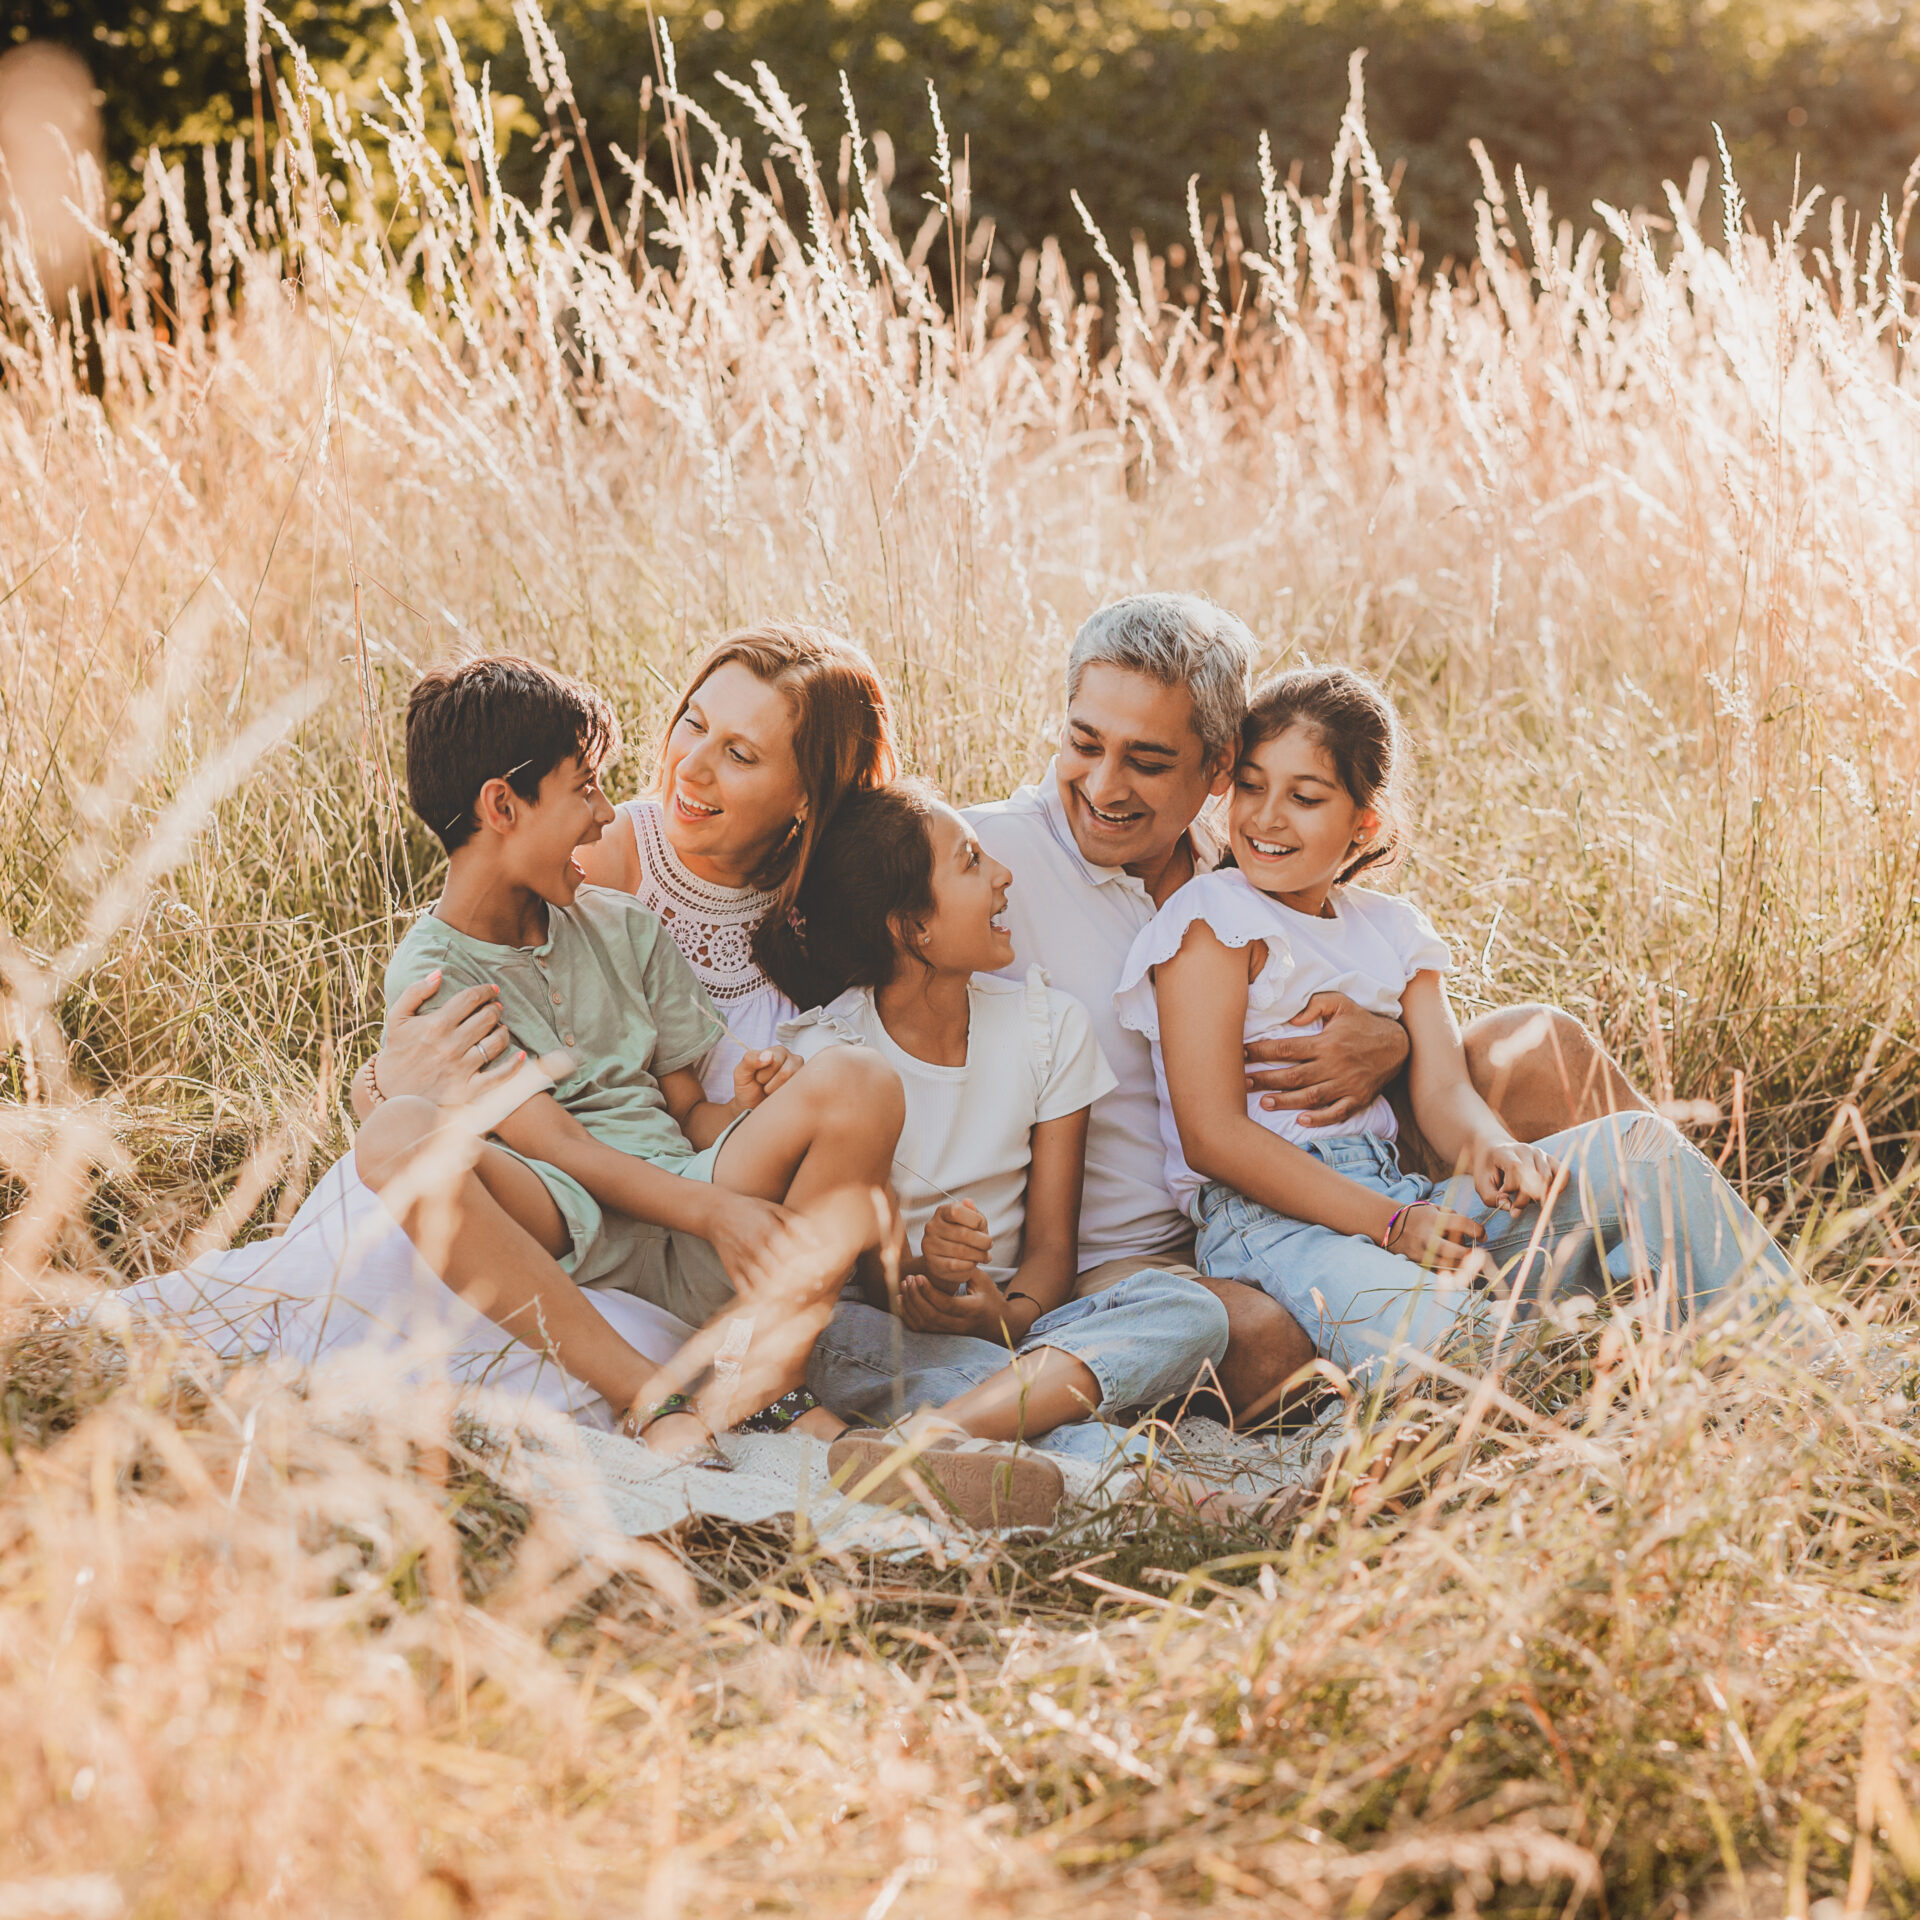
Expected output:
{"points": [[713, 927]]}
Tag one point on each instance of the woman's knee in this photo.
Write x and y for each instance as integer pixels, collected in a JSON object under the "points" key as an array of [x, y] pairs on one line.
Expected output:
{"points": [[392, 1134]]}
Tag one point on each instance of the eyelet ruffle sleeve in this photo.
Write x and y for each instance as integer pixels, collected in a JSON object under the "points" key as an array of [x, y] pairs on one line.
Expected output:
{"points": [[1237, 916]]}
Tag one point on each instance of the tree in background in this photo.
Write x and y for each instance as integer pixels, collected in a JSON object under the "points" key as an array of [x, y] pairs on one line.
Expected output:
{"points": [[1119, 99]]}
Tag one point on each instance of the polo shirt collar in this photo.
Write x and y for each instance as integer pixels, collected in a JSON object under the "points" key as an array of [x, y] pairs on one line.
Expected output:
{"points": [[1209, 843]]}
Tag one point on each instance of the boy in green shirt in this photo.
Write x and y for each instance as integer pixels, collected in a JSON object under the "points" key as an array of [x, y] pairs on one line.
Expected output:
{"points": [[743, 1218]]}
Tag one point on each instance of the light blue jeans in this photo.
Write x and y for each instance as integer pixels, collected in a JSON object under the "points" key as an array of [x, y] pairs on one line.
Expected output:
{"points": [[1145, 1339], [1640, 1201]]}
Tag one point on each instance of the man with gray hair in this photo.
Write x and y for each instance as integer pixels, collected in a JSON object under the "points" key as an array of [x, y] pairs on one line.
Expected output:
{"points": [[1157, 686]]}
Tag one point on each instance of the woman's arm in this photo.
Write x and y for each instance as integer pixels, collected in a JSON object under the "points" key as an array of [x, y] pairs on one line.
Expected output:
{"points": [[449, 1056], [614, 859], [1201, 994]]}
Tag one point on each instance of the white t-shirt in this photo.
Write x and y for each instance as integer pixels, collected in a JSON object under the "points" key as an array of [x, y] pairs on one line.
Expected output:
{"points": [[1031, 1056], [713, 927], [1369, 949], [1079, 921]]}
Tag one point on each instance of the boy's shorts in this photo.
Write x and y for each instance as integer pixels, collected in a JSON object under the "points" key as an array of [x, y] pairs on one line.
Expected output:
{"points": [[678, 1272]]}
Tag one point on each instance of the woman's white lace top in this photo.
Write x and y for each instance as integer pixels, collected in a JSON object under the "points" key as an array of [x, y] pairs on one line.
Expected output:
{"points": [[1368, 947], [713, 927]]}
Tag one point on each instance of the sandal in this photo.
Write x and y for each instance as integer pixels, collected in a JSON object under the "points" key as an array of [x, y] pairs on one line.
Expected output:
{"points": [[985, 1483], [779, 1417], [635, 1424]]}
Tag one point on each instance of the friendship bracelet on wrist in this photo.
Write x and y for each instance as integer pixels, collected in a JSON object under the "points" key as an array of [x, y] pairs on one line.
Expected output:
{"points": [[1394, 1219]]}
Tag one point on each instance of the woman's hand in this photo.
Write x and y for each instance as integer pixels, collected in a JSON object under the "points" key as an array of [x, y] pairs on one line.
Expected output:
{"points": [[1511, 1176], [955, 1243], [760, 1073], [449, 1056], [981, 1313], [1433, 1237]]}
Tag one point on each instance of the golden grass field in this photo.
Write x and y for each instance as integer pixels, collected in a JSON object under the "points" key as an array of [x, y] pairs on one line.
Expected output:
{"points": [[1623, 509]]}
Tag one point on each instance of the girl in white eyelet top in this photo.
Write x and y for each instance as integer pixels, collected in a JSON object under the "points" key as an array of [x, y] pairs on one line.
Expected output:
{"points": [[1367, 945], [713, 927]]}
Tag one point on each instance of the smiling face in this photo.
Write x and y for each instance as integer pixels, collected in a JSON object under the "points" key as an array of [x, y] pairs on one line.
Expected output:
{"points": [[1292, 824], [962, 935], [730, 788], [538, 836], [1133, 773]]}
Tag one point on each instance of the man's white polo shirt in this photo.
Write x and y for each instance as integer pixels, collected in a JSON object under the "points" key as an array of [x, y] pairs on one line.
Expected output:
{"points": [[1078, 921]]}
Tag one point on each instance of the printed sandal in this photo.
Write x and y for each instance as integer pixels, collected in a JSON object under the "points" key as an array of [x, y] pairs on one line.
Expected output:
{"points": [[982, 1482], [781, 1416], [635, 1425]]}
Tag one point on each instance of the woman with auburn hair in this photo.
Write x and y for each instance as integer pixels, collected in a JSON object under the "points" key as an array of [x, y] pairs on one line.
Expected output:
{"points": [[777, 723]]}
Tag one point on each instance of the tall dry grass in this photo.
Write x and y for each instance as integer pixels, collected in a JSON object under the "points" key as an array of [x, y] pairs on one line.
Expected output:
{"points": [[1621, 510]]}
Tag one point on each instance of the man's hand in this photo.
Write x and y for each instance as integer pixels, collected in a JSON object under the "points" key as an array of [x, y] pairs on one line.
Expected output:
{"points": [[954, 1245], [1511, 1176], [760, 1073], [452, 1056], [754, 1239], [1327, 1077], [981, 1313]]}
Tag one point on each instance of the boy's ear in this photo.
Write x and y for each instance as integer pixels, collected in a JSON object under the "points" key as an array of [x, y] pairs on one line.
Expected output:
{"points": [[497, 807]]}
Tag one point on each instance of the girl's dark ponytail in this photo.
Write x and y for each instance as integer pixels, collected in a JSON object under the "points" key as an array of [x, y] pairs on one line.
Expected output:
{"points": [[873, 862]]}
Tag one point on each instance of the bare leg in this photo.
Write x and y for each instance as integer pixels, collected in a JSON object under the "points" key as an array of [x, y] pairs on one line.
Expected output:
{"points": [[1030, 1396], [1539, 1069], [823, 1147], [487, 1226]]}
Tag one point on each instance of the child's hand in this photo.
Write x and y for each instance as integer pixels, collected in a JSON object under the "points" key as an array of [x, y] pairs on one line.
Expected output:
{"points": [[928, 1307], [760, 1073], [752, 1237], [1433, 1237], [955, 1243], [1511, 1177]]}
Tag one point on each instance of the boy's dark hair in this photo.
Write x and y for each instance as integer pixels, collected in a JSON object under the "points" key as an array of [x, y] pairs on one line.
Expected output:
{"points": [[1353, 719], [872, 866], [496, 718]]}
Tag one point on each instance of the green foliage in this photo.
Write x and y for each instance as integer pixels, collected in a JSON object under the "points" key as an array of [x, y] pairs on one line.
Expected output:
{"points": [[1125, 98]]}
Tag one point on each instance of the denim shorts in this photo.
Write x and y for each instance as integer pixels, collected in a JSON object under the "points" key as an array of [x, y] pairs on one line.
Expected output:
{"points": [[1145, 1339], [1640, 1203]]}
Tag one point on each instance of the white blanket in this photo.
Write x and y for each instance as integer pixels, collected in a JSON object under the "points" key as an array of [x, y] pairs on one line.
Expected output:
{"points": [[345, 1280], [343, 1297]]}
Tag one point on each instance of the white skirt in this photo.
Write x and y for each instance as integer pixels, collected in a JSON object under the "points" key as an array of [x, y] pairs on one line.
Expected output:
{"points": [[344, 1284]]}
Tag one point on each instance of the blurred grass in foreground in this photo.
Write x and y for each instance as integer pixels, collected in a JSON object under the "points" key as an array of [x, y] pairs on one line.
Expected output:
{"points": [[1635, 554]]}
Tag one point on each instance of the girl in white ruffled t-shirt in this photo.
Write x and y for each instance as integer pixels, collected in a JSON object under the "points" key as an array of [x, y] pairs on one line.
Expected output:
{"points": [[1374, 1262]]}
